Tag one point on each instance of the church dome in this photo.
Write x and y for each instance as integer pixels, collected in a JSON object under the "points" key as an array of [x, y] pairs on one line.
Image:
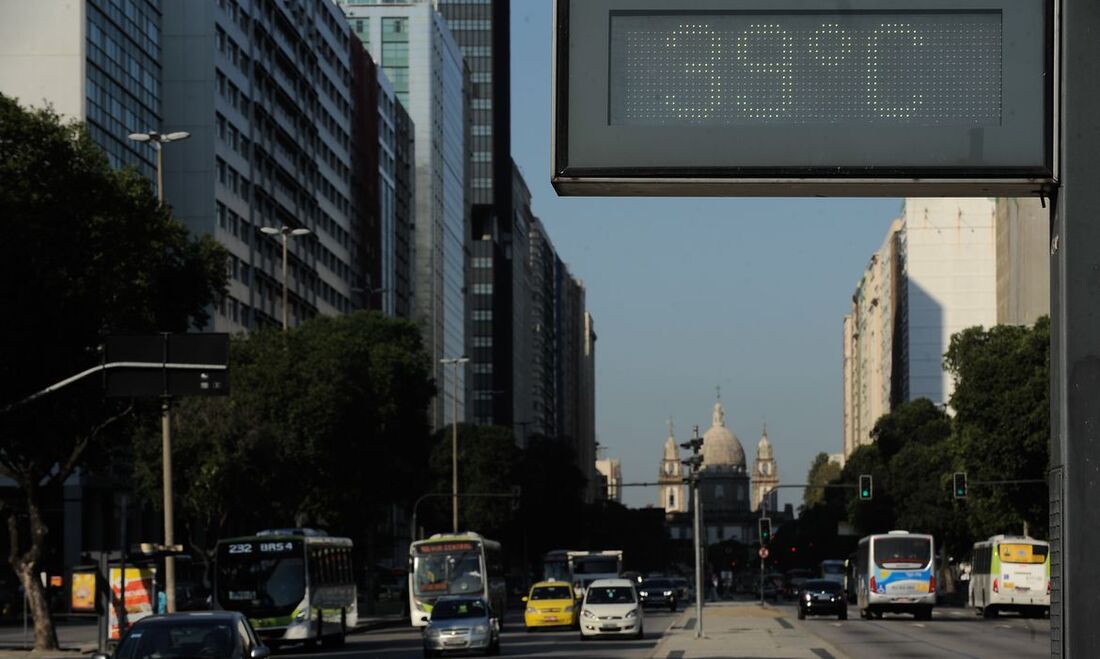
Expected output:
{"points": [[720, 447]]}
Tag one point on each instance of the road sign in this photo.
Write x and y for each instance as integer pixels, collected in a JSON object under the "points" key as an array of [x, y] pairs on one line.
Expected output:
{"points": [[792, 97], [763, 552], [168, 365]]}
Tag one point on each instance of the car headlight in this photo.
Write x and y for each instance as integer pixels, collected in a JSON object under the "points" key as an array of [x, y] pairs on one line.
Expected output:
{"points": [[667, 593], [633, 613], [807, 597], [481, 629], [587, 614], [532, 609]]}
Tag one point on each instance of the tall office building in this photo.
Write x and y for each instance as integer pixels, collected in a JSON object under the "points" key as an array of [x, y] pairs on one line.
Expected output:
{"points": [[397, 183], [96, 61], [269, 107], [415, 48], [945, 265]]}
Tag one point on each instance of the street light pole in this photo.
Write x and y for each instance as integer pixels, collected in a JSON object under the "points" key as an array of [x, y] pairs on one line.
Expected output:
{"points": [[455, 361], [287, 233], [158, 140]]}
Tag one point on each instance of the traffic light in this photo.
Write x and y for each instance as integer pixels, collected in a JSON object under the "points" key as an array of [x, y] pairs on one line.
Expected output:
{"points": [[960, 484], [695, 445], [865, 487], [765, 530]]}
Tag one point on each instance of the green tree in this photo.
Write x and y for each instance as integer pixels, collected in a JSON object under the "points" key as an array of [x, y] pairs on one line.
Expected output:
{"points": [[1002, 423], [326, 425], [488, 463], [87, 251], [822, 472]]}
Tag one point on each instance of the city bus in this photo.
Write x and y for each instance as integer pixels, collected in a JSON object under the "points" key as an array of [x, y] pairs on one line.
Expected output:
{"points": [[1011, 573], [896, 573], [454, 564], [555, 566], [294, 585]]}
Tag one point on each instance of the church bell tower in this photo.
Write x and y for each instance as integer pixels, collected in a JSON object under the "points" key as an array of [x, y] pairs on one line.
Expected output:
{"points": [[671, 478]]}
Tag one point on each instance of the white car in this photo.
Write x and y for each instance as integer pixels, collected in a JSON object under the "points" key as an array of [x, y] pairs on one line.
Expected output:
{"points": [[611, 608]]}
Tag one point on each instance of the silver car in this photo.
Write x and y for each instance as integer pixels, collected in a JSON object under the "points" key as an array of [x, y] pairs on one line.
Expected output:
{"points": [[462, 623]]}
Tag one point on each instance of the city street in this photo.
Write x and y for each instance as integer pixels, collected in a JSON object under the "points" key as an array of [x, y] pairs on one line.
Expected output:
{"points": [[952, 632], [404, 642]]}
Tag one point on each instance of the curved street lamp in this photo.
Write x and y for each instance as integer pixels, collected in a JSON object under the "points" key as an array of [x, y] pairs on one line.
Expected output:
{"points": [[158, 139], [287, 233]]}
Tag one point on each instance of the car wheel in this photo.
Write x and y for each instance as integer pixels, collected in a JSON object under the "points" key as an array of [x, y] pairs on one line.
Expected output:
{"points": [[585, 637], [428, 653], [843, 615], [641, 633], [672, 606], [801, 614]]}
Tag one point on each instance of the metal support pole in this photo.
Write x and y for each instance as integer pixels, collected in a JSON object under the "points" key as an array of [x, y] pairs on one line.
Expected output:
{"points": [[123, 621], [169, 526], [160, 172], [699, 544], [1075, 339], [454, 450], [286, 315]]}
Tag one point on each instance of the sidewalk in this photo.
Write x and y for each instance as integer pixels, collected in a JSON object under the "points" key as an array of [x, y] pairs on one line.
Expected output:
{"points": [[741, 629]]}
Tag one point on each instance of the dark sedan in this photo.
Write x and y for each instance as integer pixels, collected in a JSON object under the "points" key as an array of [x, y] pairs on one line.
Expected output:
{"points": [[818, 597], [211, 635], [658, 592]]}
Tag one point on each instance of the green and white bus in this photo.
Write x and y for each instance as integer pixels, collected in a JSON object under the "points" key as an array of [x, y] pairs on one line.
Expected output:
{"points": [[454, 564], [294, 585], [1011, 573]]}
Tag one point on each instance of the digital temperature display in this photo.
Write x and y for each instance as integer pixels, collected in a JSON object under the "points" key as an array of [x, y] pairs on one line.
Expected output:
{"points": [[746, 68]]}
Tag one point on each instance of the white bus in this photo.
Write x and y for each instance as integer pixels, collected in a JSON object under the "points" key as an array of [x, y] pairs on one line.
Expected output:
{"points": [[1011, 573], [896, 573], [294, 585], [454, 564]]}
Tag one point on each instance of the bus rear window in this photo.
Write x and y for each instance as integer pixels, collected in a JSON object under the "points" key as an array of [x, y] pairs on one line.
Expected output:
{"points": [[903, 553], [1023, 553]]}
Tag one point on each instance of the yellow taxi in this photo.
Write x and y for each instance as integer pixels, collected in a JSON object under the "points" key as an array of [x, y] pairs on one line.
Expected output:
{"points": [[550, 604]]}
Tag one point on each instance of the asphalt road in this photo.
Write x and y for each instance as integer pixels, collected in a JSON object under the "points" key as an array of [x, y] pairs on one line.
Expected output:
{"points": [[404, 642], [952, 633]]}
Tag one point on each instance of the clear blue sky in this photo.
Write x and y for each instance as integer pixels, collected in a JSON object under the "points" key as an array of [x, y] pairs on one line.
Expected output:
{"points": [[690, 294]]}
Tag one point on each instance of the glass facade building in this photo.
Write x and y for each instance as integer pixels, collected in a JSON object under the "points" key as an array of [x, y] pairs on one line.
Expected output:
{"points": [[415, 49]]}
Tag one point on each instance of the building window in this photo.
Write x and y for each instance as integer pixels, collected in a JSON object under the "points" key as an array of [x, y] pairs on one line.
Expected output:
{"points": [[483, 314], [483, 342], [483, 289], [482, 262]]}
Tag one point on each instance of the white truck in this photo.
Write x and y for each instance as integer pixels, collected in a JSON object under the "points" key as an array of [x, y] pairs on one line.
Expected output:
{"points": [[588, 566]]}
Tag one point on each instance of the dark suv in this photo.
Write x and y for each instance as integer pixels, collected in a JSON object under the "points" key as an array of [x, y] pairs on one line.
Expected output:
{"points": [[658, 591], [818, 597]]}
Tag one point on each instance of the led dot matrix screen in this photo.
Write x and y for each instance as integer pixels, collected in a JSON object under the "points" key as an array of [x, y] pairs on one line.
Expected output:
{"points": [[898, 90], [805, 68]]}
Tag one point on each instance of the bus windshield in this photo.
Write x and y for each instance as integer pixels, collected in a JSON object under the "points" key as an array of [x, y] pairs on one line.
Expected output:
{"points": [[903, 553], [447, 572], [555, 571], [596, 566], [1023, 553], [832, 567], [261, 585]]}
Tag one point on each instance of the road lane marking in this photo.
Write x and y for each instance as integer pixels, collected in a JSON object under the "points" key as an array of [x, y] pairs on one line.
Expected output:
{"points": [[784, 624]]}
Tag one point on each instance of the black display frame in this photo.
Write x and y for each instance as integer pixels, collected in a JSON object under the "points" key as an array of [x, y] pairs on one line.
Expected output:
{"points": [[872, 181]]}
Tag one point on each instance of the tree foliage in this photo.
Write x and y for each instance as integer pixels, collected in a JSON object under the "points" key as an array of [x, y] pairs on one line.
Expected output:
{"points": [[1002, 423], [325, 425], [87, 252], [822, 472]]}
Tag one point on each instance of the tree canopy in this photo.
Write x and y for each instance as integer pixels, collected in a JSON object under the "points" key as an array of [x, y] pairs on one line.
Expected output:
{"points": [[87, 252]]}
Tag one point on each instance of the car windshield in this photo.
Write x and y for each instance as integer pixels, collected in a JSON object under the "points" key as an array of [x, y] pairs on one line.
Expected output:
{"points": [[903, 553], [551, 593], [451, 609], [821, 586], [657, 583], [181, 639], [610, 595]]}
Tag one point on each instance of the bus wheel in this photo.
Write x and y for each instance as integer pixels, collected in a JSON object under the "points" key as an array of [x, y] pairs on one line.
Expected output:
{"points": [[924, 613], [338, 640], [865, 614], [989, 612]]}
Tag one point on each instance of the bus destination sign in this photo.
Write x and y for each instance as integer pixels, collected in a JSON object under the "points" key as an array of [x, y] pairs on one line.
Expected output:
{"points": [[788, 97], [445, 547]]}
